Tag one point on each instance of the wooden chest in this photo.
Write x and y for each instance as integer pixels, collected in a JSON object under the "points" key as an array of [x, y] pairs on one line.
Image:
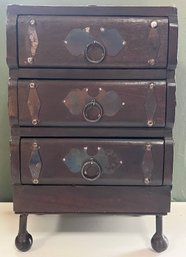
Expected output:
{"points": [[91, 108]]}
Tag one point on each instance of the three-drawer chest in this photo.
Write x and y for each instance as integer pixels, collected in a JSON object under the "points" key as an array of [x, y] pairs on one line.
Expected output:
{"points": [[91, 108]]}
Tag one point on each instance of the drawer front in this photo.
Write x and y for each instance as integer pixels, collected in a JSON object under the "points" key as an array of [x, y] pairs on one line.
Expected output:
{"points": [[90, 41], [92, 103], [92, 161]]}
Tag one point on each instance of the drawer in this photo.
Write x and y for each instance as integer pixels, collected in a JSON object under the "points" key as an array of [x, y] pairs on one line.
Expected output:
{"points": [[92, 161], [90, 41], [92, 103]]}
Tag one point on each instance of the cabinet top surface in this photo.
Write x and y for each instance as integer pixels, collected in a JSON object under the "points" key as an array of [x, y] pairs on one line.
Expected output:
{"points": [[93, 10]]}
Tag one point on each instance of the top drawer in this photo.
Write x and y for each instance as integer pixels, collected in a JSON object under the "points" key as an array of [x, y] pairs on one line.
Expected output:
{"points": [[92, 41]]}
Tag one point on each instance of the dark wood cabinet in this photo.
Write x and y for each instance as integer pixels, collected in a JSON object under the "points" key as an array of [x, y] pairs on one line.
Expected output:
{"points": [[91, 109]]}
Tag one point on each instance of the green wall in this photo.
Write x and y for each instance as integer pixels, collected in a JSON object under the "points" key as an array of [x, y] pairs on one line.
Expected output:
{"points": [[179, 181]]}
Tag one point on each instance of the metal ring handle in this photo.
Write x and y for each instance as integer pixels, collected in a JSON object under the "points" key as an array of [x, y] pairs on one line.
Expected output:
{"points": [[92, 104], [86, 166], [95, 44]]}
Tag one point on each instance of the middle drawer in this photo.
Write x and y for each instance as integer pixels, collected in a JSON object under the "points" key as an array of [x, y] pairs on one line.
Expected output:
{"points": [[92, 103], [92, 161]]}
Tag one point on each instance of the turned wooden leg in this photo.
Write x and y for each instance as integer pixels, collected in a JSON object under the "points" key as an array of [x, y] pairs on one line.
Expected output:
{"points": [[23, 240], [159, 242]]}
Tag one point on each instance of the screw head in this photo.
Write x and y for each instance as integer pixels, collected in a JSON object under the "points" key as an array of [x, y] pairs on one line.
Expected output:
{"points": [[152, 85], [32, 22], [32, 85], [148, 147], [150, 123], [146, 181], [87, 29], [30, 60], [154, 24], [35, 181], [35, 121], [151, 61], [35, 145]]}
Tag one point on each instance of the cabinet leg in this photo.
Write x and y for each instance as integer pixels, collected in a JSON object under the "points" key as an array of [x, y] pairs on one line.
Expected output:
{"points": [[159, 242], [23, 240]]}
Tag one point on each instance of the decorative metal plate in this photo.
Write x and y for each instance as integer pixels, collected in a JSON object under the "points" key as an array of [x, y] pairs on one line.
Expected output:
{"points": [[147, 164], [112, 40], [32, 41], [35, 163], [77, 40], [150, 105], [76, 100], [107, 159], [33, 103], [154, 44]]}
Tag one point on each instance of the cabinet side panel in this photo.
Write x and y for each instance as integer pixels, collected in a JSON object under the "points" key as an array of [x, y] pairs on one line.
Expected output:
{"points": [[173, 41], [11, 36], [15, 160], [168, 161], [171, 103], [12, 102]]}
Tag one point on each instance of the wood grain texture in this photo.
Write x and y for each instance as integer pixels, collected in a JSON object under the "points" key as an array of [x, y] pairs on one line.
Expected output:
{"points": [[140, 43], [173, 41], [124, 103], [168, 161], [88, 199], [98, 132], [117, 74], [122, 161], [92, 10], [12, 102], [16, 10], [171, 102], [11, 39], [148, 54], [15, 160]]}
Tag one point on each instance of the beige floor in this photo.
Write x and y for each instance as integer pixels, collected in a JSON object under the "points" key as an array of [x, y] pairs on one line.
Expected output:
{"points": [[93, 235]]}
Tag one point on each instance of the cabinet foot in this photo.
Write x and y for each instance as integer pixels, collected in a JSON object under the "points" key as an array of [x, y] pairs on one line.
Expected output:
{"points": [[23, 240], [159, 242]]}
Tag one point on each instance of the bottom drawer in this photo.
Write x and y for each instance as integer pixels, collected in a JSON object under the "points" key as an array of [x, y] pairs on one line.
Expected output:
{"points": [[92, 161], [92, 199]]}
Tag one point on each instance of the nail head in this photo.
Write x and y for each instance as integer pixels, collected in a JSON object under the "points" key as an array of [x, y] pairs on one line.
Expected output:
{"points": [[154, 24]]}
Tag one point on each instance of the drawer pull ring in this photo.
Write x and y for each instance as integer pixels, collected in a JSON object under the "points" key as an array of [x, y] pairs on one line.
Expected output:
{"points": [[92, 106], [91, 170], [95, 52]]}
